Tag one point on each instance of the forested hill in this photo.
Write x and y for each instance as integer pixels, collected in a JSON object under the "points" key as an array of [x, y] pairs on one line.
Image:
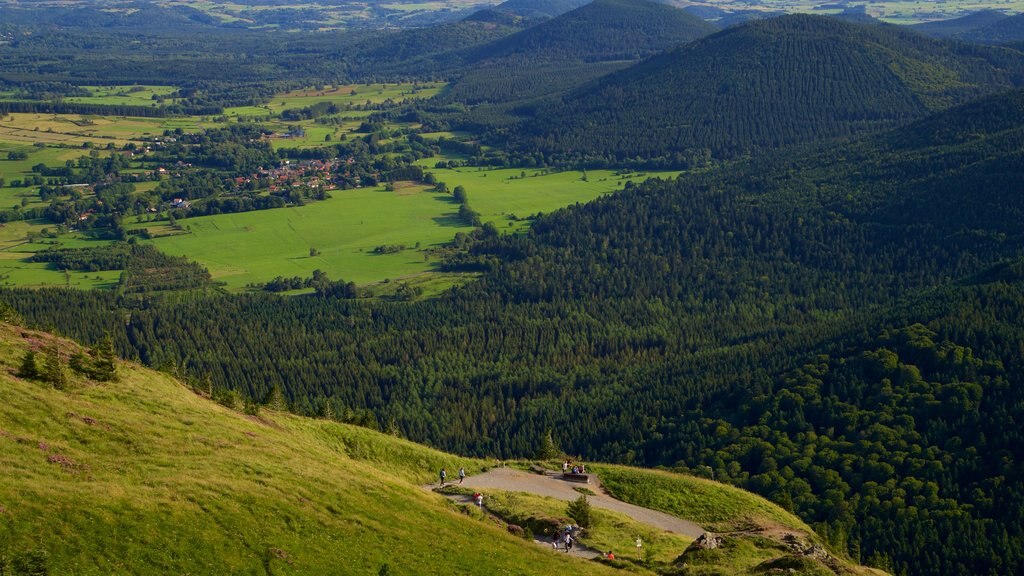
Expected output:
{"points": [[538, 8], [956, 27], [766, 84], [600, 31], [423, 52], [567, 51], [1006, 30], [838, 330]]}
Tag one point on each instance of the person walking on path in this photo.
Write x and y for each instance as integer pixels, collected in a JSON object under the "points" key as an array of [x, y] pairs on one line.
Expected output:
{"points": [[568, 541], [444, 476], [462, 475]]}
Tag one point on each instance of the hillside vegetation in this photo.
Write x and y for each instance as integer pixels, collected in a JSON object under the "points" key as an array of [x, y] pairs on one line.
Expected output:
{"points": [[767, 84], [144, 475], [565, 52], [823, 328]]}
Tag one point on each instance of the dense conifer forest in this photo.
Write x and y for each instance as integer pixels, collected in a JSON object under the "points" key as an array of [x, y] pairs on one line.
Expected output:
{"points": [[826, 309], [835, 329], [766, 84]]}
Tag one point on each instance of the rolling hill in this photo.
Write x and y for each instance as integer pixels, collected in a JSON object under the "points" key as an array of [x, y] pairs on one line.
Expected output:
{"points": [[562, 53], [767, 84], [143, 475], [821, 327], [1004, 31], [539, 8], [984, 27], [957, 27]]}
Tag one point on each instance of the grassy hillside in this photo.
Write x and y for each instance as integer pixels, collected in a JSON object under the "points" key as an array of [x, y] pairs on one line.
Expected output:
{"points": [[767, 84], [143, 475]]}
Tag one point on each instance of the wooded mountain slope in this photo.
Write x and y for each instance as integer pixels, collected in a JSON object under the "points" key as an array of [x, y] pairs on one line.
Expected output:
{"points": [[1006, 30], [539, 8], [142, 474], [956, 27], [838, 330], [767, 84], [560, 54]]}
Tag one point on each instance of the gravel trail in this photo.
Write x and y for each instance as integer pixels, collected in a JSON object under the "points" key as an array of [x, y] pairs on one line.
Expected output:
{"points": [[553, 486]]}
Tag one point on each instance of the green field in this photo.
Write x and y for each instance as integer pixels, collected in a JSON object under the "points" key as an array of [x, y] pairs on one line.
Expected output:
{"points": [[894, 11], [124, 95], [239, 249], [257, 246], [348, 94], [507, 198]]}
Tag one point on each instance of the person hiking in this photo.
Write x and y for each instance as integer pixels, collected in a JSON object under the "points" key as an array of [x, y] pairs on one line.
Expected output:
{"points": [[444, 476], [462, 475], [568, 541]]}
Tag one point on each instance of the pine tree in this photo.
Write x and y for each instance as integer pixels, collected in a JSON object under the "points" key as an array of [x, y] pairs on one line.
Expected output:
{"points": [[9, 315], [54, 371], [580, 511], [275, 399], [327, 409], [29, 369], [105, 366], [548, 449]]}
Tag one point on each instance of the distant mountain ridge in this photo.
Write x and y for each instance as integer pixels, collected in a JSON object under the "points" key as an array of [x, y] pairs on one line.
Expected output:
{"points": [[600, 31], [539, 8], [767, 84], [955, 27], [559, 54]]}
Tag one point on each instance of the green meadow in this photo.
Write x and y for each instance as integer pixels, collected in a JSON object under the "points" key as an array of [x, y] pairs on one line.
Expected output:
{"points": [[255, 247], [509, 196], [124, 95], [348, 94], [239, 249]]}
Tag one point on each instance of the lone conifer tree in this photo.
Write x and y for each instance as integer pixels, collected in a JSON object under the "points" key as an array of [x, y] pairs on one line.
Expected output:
{"points": [[29, 369], [105, 367], [54, 372]]}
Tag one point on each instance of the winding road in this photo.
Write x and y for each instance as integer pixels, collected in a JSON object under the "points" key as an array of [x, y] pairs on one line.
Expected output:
{"points": [[553, 486]]}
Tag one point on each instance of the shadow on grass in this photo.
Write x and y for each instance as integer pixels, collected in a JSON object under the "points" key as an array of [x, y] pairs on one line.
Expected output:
{"points": [[449, 220]]}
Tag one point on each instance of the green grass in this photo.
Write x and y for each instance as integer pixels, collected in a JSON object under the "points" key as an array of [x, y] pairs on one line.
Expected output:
{"points": [[348, 94], [610, 530], [257, 246], [156, 479], [145, 476], [239, 249], [123, 95], [719, 507], [507, 198]]}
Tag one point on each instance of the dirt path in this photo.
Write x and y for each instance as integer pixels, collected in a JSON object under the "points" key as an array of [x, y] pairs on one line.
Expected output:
{"points": [[578, 550], [552, 486]]}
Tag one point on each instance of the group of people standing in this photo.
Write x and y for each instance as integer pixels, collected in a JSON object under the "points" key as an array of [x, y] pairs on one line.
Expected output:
{"points": [[444, 476], [569, 467]]}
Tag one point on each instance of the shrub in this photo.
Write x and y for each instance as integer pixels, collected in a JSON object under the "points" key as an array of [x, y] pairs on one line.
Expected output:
{"points": [[580, 511]]}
